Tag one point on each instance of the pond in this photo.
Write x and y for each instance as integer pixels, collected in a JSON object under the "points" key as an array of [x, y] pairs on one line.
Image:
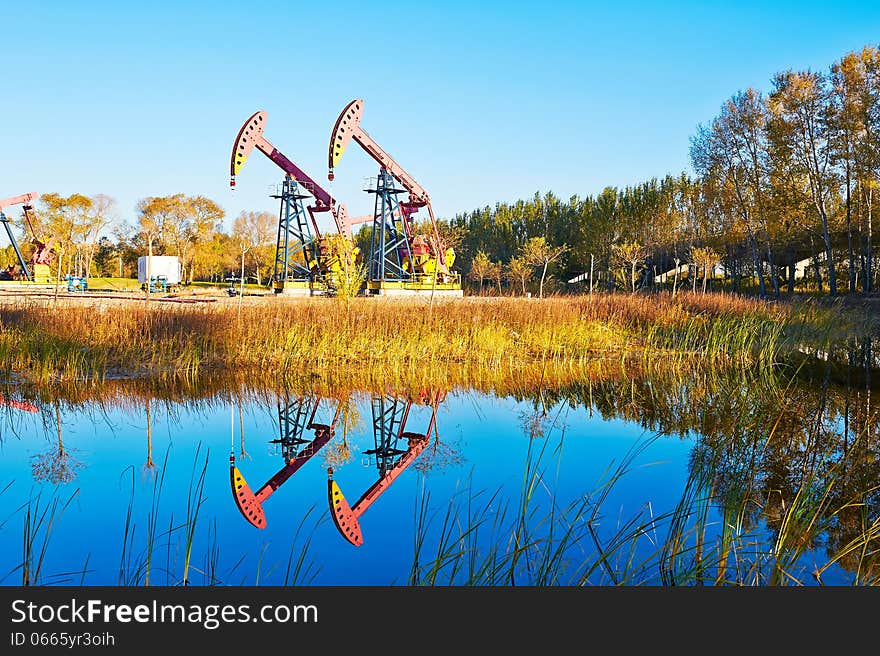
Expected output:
{"points": [[646, 478]]}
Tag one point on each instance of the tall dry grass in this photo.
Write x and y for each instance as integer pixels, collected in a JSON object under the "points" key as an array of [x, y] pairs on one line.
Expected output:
{"points": [[44, 343]]}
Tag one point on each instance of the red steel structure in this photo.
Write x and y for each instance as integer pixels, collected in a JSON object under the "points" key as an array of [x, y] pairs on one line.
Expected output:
{"points": [[43, 252], [391, 412], [250, 136], [304, 260], [295, 417], [397, 254]]}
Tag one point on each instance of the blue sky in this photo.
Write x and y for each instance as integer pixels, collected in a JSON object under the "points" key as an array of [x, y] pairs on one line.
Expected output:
{"points": [[480, 102]]}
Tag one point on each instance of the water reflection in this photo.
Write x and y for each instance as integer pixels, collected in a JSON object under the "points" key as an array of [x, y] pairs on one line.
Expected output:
{"points": [[391, 417], [779, 481], [296, 419], [396, 446], [57, 465]]}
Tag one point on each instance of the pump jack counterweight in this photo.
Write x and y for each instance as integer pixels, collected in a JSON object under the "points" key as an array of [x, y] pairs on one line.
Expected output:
{"points": [[295, 417]]}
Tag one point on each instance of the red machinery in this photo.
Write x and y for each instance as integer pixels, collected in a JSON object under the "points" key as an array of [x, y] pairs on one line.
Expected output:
{"points": [[296, 234], [295, 417], [251, 136], [43, 253], [398, 255], [24, 406], [390, 415]]}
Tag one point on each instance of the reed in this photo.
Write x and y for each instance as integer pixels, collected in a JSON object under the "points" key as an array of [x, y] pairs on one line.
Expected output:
{"points": [[194, 499], [300, 569], [731, 526], [40, 520], [400, 337], [138, 553]]}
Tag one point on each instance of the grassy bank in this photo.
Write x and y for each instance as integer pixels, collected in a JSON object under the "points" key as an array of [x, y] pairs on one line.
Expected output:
{"points": [[485, 337]]}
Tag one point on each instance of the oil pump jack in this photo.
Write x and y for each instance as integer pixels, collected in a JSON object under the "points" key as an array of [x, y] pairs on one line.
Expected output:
{"points": [[401, 261], [391, 412], [295, 417], [43, 254], [304, 264]]}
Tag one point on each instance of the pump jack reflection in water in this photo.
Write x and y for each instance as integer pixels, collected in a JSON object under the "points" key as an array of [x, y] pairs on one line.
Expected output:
{"points": [[391, 411], [295, 417]]}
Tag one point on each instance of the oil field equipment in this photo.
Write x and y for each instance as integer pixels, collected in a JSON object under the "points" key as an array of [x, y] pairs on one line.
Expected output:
{"points": [[158, 285], [159, 273], [77, 284], [401, 261], [295, 417], [234, 288], [42, 256], [391, 412], [304, 262]]}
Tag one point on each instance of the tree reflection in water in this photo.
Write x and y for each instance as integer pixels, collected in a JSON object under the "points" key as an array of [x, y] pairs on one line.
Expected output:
{"points": [[58, 465], [783, 478]]}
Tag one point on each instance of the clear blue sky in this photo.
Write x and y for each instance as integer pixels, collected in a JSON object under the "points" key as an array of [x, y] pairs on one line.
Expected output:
{"points": [[481, 102]]}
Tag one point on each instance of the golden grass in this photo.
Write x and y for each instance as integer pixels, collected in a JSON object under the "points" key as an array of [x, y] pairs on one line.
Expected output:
{"points": [[476, 339]]}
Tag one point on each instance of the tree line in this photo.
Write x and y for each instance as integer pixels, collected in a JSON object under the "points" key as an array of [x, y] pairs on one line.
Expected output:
{"points": [[783, 195], [89, 238]]}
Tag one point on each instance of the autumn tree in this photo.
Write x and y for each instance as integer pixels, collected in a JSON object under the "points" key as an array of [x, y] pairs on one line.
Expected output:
{"points": [[244, 237], [100, 215], [707, 259], [62, 218], [204, 219], [265, 226], [255, 231], [521, 271], [733, 151], [855, 123], [347, 272], [631, 255], [801, 125], [152, 217], [480, 268], [538, 253], [496, 273]]}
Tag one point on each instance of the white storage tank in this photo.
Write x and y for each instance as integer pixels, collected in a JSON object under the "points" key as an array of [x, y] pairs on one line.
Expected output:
{"points": [[160, 265]]}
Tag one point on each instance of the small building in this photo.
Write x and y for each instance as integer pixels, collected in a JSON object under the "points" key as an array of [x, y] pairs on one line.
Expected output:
{"points": [[166, 267]]}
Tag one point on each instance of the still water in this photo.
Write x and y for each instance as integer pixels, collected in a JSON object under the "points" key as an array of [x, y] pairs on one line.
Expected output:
{"points": [[443, 485]]}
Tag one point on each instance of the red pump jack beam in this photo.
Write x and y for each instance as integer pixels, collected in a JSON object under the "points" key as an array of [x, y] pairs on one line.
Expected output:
{"points": [[250, 136], [18, 405], [251, 505], [346, 517]]}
